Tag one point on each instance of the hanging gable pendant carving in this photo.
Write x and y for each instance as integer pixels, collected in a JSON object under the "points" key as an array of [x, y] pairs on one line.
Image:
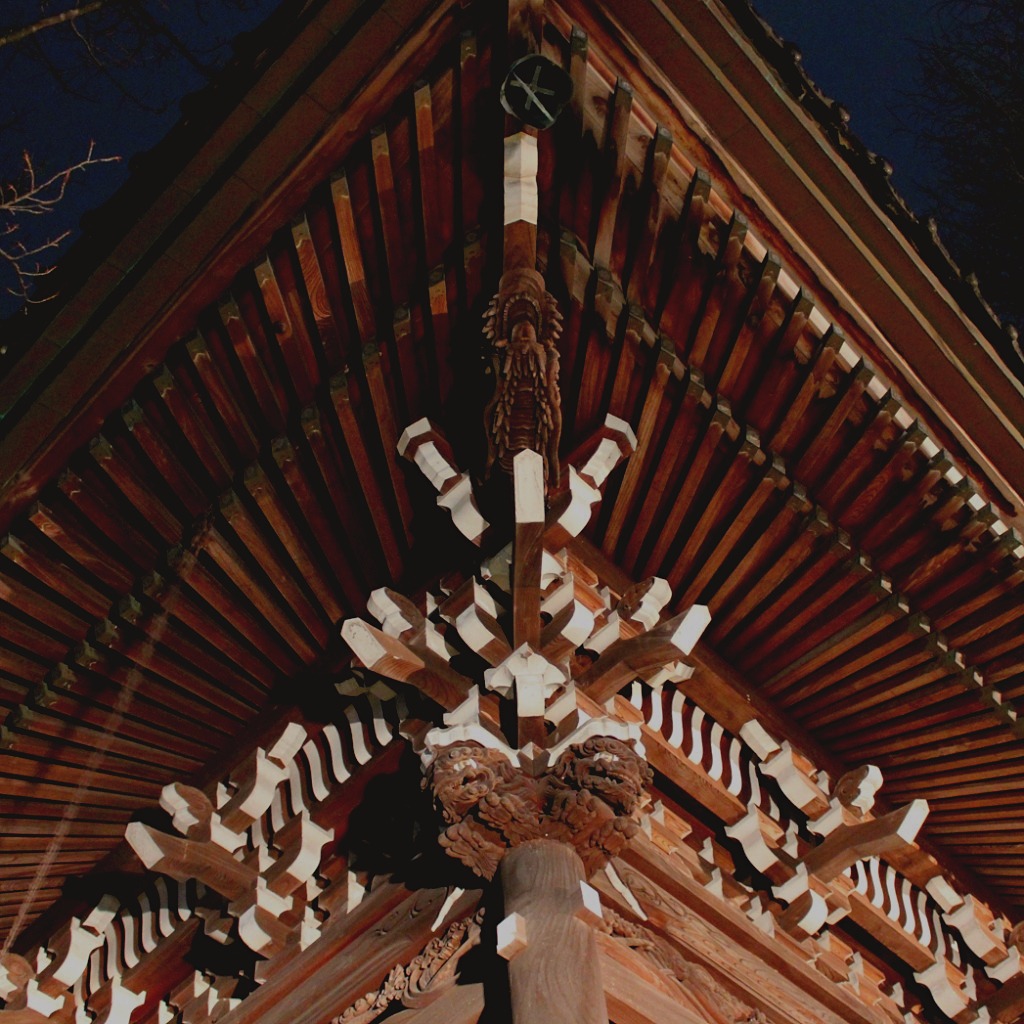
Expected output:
{"points": [[523, 325]]}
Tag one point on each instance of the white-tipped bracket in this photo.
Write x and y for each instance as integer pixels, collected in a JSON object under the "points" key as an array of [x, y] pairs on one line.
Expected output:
{"points": [[588, 910], [580, 623], [297, 865], [102, 914], [250, 921], [459, 502], [691, 628], [36, 999], [747, 832], [792, 780], [535, 678], [656, 596], [15, 972], [975, 923], [286, 747], [528, 479], [395, 616], [943, 893], [511, 936], [424, 444], [75, 948], [521, 198], [123, 1003], [949, 996], [760, 741], [618, 443]]}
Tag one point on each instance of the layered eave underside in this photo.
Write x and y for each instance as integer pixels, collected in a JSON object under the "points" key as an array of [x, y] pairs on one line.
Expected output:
{"points": [[190, 564]]}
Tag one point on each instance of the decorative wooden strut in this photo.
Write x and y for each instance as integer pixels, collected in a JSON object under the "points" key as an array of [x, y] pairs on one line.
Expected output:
{"points": [[267, 897], [546, 807]]}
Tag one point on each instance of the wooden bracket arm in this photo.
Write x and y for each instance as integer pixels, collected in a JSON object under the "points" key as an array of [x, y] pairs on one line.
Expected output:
{"points": [[624, 660], [849, 843], [390, 657], [183, 859]]}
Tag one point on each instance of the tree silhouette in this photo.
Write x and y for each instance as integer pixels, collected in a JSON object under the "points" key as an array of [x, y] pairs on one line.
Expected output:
{"points": [[969, 114], [113, 63]]}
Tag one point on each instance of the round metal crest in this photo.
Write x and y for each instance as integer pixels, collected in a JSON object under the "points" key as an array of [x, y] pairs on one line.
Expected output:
{"points": [[536, 90]]}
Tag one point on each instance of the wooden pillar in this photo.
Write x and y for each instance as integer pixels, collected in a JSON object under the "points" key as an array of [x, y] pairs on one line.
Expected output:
{"points": [[555, 978]]}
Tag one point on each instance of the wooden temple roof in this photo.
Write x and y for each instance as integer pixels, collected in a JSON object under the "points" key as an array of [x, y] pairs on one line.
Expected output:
{"points": [[201, 463]]}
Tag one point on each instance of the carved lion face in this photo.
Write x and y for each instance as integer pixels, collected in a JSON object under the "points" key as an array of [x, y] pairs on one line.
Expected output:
{"points": [[610, 769], [462, 774]]}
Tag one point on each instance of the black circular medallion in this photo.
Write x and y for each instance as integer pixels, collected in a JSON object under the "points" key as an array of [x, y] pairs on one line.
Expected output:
{"points": [[536, 90]]}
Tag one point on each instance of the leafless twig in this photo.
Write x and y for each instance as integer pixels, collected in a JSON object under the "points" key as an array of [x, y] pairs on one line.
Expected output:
{"points": [[32, 196]]}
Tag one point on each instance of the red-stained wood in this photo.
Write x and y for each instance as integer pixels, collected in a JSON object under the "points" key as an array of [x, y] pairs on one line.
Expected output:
{"points": [[137, 491], [339, 562], [721, 427], [285, 603], [635, 466], [279, 518], [316, 292], [290, 334], [527, 548], [365, 473], [556, 978], [190, 418], [388, 430]]}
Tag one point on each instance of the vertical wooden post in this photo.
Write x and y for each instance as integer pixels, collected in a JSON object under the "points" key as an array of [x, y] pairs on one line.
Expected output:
{"points": [[527, 548], [525, 26], [555, 978]]}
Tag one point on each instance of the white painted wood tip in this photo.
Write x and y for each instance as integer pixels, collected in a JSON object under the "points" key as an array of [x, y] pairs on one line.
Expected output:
{"points": [[521, 197], [414, 430], [364, 644], [589, 909], [943, 893], [760, 741], [528, 479], [620, 426], [140, 840], [916, 813], [511, 936], [38, 1000], [689, 631]]}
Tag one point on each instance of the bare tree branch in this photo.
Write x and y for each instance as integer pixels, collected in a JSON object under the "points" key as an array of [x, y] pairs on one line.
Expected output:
{"points": [[34, 197], [14, 35]]}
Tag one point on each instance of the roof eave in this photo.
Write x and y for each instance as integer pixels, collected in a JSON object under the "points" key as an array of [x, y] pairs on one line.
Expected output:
{"points": [[781, 159], [198, 232]]}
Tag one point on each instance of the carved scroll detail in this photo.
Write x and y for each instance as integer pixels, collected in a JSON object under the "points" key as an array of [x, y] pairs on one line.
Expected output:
{"points": [[424, 979]]}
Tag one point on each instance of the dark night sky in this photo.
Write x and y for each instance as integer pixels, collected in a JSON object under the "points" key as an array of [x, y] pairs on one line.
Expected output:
{"points": [[860, 54], [57, 96]]}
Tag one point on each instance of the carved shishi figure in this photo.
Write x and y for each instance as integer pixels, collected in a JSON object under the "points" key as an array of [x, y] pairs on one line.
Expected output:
{"points": [[523, 324], [591, 798], [608, 768]]}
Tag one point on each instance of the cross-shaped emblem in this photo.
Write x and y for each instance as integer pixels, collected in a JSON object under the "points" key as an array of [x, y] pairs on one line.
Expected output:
{"points": [[536, 90]]}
